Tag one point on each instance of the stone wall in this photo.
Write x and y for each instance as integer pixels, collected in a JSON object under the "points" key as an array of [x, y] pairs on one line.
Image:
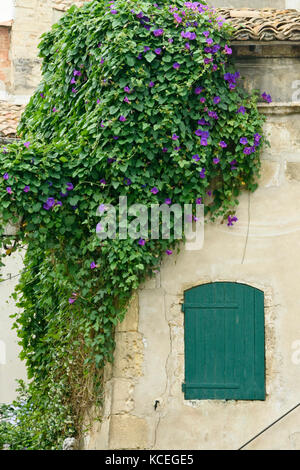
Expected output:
{"points": [[144, 404], [5, 64]]}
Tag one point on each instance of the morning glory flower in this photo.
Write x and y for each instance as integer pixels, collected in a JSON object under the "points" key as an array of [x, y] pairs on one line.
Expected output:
{"points": [[241, 110], [209, 41], [202, 173], [233, 164], [206, 33], [73, 80], [203, 141], [69, 186], [154, 190], [198, 90], [26, 144], [126, 100], [113, 12], [26, 189], [168, 201], [243, 140], [102, 181], [175, 137], [151, 84], [9, 190], [216, 100], [5, 176], [231, 220], [58, 203], [158, 32], [199, 200], [93, 265], [177, 18], [122, 118], [141, 242], [216, 160], [170, 40], [74, 90], [54, 110], [223, 144], [76, 73], [176, 66], [196, 157], [187, 46], [42, 95], [164, 149], [202, 122], [127, 89], [71, 300], [127, 181], [146, 48], [257, 137], [228, 50], [247, 150], [266, 97], [169, 252], [157, 51]]}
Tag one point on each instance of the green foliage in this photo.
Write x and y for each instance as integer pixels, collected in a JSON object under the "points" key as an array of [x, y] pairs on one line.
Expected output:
{"points": [[73, 134]]}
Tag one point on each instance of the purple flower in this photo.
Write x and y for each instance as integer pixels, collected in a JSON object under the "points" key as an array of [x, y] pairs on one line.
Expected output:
{"points": [[177, 148], [175, 137], [54, 110], [49, 203], [206, 33], [187, 46], [71, 300], [214, 68], [203, 142], [202, 173], [176, 66], [157, 51], [76, 73], [213, 115], [69, 186], [209, 41], [141, 242], [127, 181], [164, 149], [216, 160], [102, 60], [207, 60], [242, 110], [158, 32], [99, 228], [231, 220], [196, 157], [58, 203], [243, 140], [146, 48], [169, 252], [26, 189], [154, 190], [151, 84], [170, 40], [98, 101], [202, 99], [247, 150], [202, 122], [5, 176], [228, 50], [114, 12], [93, 265], [233, 164], [127, 89], [9, 190], [73, 80], [216, 100], [177, 18], [126, 100], [223, 144], [168, 201], [102, 181], [26, 144], [122, 118], [42, 95], [140, 56], [74, 90], [257, 138], [198, 90], [266, 97], [199, 200]]}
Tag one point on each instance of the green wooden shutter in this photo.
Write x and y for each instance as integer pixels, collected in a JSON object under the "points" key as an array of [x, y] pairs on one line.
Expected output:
{"points": [[224, 342]]}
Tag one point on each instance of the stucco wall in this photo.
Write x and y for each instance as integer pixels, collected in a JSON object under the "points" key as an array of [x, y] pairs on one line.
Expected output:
{"points": [[11, 368], [262, 250]]}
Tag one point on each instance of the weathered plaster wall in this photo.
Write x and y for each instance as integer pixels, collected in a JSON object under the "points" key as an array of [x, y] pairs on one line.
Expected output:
{"points": [[11, 368], [255, 3], [262, 250]]}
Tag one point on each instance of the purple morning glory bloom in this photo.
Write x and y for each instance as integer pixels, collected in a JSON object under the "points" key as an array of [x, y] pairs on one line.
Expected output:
{"points": [[216, 160], [241, 110], [216, 100], [202, 99], [42, 95], [102, 60], [168, 201], [257, 137], [127, 181], [9, 190], [102, 181], [76, 73], [126, 100], [233, 164], [26, 189], [202, 122], [177, 148], [140, 56], [5, 176], [202, 173], [176, 66], [26, 144], [74, 90], [69, 186], [169, 252], [223, 144], [71, 300], [146, 48], [73, 80], [243, 140], [170, 40], [203, 142], [141, 242], [54, 110], [114, 12], [199, 200], [93, 265], [122, 118], [196, 157], [231, 220], [247, 150], [154, 190], [213, 115], [198, 90], [157, 51], [209, 41], [266, 97], [228, 50], [187, 46], [177, 18], [127, 89], [58, 203], [151, 84], [164, 149], [158, 32], [175, 137]]}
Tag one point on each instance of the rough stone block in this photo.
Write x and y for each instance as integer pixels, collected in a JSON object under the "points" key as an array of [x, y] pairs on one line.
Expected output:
{"points": [[122, 397], [293, 171], [130, 322], [128, 432], [128, 355]]}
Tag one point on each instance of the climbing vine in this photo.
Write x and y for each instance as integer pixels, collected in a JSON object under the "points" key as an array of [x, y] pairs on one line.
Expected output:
{"points": [[137, 99]]}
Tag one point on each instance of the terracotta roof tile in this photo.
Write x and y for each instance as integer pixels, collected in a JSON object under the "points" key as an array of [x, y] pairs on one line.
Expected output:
{"points": [[9, 118], [266, 24]]}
